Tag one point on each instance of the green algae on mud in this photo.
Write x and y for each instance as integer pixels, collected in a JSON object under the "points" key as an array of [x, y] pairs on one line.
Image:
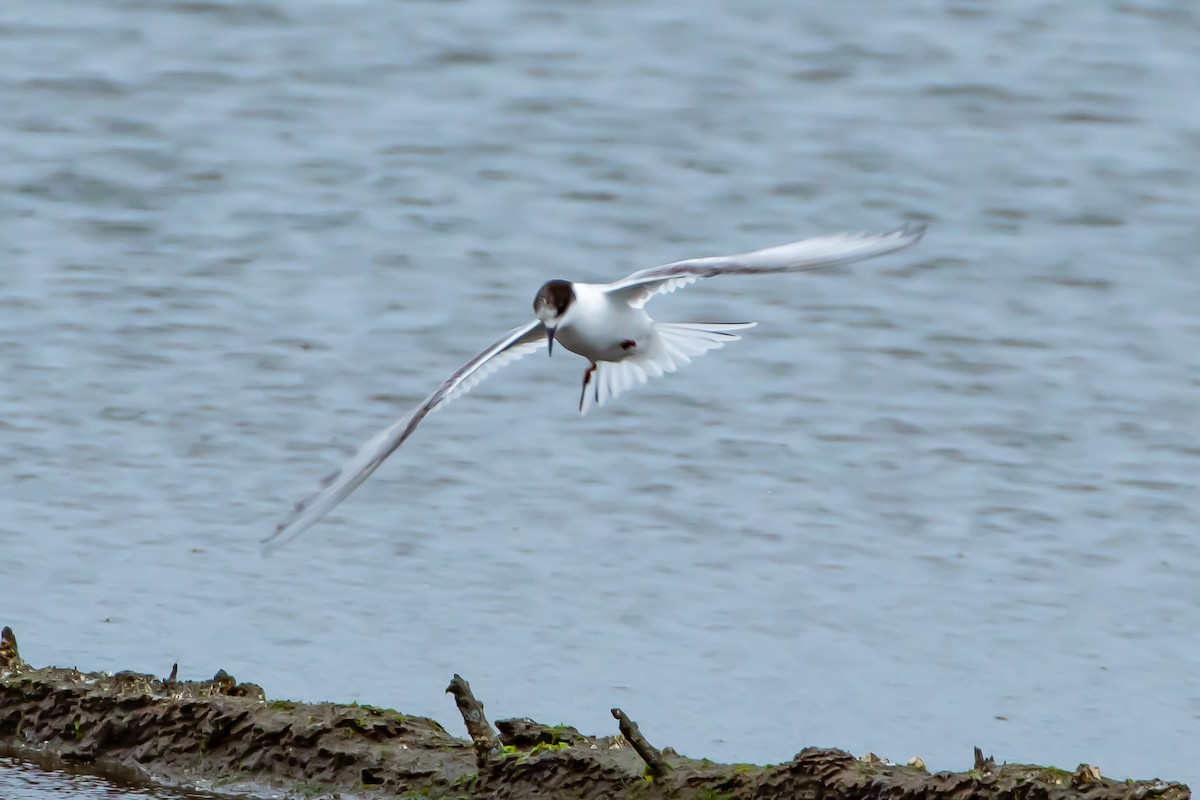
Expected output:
{"points": [[226, 736]]}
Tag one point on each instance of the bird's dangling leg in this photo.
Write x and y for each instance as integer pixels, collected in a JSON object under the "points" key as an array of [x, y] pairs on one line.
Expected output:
{"points": [[587, 376]]}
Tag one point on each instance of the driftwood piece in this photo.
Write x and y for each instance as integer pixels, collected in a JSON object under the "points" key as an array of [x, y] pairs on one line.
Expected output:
{"points": [[649, 753], [483, 737], [983, 765], [10, 657]]}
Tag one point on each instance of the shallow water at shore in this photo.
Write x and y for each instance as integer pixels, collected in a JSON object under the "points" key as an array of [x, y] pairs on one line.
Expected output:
{"points": [[23, 780], [944, 499]]}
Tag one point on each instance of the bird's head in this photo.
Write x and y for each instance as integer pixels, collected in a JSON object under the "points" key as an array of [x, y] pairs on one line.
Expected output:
{"points": [[551, 305]]}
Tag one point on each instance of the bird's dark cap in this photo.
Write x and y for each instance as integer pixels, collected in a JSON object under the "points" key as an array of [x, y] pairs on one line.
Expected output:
{"points": [[556, 294]]}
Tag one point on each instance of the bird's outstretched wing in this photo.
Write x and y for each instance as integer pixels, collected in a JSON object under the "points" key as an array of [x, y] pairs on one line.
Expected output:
{"points": [[808, 254], [338, 485]]}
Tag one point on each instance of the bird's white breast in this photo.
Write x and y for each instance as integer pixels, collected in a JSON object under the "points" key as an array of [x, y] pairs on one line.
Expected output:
{"points": [[599, 327]]}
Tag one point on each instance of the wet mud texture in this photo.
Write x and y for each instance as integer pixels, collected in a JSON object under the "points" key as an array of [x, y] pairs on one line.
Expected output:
{"points": [[225, 735]]}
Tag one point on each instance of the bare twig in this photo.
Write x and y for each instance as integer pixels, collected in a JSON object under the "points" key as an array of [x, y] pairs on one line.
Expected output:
{"points": [[647, 751], [482, 735]]}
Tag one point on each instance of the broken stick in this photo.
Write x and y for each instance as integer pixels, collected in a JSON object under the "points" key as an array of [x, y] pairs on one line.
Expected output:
{"points": [[480, 730], [649, 753]]}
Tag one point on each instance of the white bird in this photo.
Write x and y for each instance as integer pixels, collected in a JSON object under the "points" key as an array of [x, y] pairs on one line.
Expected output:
{"points": [[607, 325]]}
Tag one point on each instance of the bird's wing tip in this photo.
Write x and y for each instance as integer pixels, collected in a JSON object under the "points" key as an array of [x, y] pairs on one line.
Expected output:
{"points": [[284, 533], [269, 544]]}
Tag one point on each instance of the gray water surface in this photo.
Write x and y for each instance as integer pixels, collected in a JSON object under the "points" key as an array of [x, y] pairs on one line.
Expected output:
{"points": [[23, 780], [943, 499]]}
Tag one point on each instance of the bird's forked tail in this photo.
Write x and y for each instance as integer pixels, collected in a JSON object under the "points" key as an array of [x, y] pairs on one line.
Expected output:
{"points": [[674, 345]]}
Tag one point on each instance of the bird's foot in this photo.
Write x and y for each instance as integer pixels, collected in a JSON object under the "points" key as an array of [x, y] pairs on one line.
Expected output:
{"points": [[587, 376]]}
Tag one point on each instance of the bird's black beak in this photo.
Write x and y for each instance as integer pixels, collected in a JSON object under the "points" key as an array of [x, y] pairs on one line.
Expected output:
{"points": [[550, 339]]}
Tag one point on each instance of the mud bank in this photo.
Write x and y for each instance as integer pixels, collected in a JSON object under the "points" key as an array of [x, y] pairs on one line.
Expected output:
{"points": [[225, 735]]}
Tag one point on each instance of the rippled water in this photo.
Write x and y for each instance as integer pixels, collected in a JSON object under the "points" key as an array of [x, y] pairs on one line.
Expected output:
{"points": [[943, 499], [21, 780]]}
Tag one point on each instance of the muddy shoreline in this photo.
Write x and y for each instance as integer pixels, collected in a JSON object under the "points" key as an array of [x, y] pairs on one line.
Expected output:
{"points": [[227, 736]]}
